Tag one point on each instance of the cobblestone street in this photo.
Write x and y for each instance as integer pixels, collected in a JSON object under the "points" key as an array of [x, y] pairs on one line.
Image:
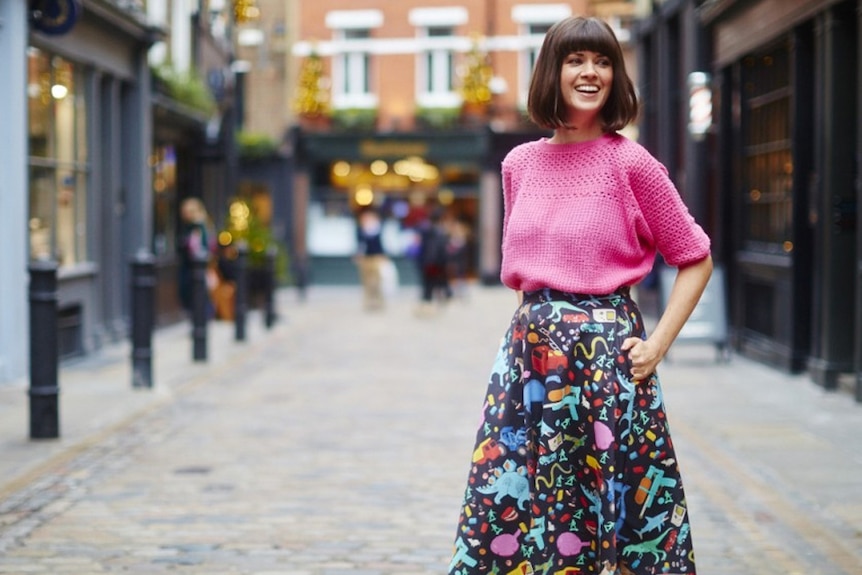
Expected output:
{"points": [[338, 443]]}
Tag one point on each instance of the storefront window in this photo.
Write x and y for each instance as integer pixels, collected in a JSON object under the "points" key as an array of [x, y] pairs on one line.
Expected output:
{"points": [[768, 168], [404, 192], [164, 176], [58, 159]]}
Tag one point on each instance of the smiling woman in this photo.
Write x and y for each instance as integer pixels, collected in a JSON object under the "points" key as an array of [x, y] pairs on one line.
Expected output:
{"points": [[588, 481], [585, 84], [567, 38]]}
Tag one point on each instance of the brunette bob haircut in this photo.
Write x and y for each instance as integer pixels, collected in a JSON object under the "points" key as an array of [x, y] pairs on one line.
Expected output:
{"points": [[576, 34]]}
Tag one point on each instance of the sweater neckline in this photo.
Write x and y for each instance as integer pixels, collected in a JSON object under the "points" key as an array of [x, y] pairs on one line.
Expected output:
{"points": [[549, 146]]}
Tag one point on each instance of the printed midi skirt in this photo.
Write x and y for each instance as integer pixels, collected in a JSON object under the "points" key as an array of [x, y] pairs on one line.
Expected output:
{"points": [[574, 471]]}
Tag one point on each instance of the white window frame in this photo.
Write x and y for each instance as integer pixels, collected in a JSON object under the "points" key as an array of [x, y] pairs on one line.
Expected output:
{"points": [[435, 60], [527, 16], [435, 55], [351, 58]]}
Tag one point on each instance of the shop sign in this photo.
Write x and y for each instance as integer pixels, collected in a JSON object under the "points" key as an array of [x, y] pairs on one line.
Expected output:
{"points": [[699, 105], [54, 17]]}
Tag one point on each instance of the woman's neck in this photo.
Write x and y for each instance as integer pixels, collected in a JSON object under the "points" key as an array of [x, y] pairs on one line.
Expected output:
{"points": [[574, 135], [579, 129]]}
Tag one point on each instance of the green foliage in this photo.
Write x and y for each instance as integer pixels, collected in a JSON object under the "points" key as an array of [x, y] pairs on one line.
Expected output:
{"points": [[355, 118], [312, 90], [475, 84], [438, 117], [187, 88], [256, 145], [244, 225]]}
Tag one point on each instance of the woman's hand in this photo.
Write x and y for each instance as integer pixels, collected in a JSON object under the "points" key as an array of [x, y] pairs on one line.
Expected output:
{"points": [[645, 355]]}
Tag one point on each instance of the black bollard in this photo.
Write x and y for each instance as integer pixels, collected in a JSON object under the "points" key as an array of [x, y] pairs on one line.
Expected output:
{"points": [[269, 291], [44, 351], [200, 305], [241, 294], [143, 310]]}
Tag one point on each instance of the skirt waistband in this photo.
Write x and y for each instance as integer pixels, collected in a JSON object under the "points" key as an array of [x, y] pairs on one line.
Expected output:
{"points": [[548, 294]]}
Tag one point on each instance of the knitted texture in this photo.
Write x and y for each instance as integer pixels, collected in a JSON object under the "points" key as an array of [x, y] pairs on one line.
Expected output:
{"points": [[589, 217]]}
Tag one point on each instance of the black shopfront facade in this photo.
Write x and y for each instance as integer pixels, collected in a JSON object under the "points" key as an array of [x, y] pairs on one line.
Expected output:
{"points": [[776, 178]]}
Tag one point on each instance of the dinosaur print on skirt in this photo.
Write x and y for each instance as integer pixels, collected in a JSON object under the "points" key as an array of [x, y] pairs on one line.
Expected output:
{"points": [[574, 471]]}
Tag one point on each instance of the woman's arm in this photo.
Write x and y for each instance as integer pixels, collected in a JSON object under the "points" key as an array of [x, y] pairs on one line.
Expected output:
{"points": [[646, 354]]}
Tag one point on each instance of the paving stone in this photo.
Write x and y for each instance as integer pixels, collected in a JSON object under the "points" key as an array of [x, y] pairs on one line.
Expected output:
{"points": [[339, 442]]}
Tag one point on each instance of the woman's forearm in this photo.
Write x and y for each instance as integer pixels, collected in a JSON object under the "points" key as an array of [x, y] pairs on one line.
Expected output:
{"points": [[684, 295]]}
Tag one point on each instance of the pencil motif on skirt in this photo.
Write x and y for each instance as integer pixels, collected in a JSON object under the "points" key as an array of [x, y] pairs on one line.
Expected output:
{"points": [[574, 470]]}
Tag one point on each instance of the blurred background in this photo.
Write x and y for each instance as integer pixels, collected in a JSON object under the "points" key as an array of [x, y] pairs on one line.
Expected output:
{"points": [[286, 117]]}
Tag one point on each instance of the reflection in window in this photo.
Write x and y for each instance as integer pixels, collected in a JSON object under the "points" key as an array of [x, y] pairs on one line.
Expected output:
{"points": [[163, 165], [58, 156], [768, 167]]}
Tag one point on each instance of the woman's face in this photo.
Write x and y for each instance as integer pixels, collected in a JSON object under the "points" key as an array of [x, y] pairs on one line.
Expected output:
{"points": [[585, 83]]}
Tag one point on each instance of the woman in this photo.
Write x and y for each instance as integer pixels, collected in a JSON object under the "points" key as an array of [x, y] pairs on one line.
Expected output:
{"points": [[194, 243], [574, 470]]}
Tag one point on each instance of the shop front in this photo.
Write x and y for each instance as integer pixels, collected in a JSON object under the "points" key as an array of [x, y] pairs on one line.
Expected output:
{"points": [[88, 129], [787, 76], [405, 177], [178, 135], [774, 176]]}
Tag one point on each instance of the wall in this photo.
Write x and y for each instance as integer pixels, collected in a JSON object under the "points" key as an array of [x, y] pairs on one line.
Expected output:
{"points": [[13, 192]]}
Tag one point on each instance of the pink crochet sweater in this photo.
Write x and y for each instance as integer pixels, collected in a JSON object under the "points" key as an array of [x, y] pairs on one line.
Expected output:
{"points": [[588, 217]]}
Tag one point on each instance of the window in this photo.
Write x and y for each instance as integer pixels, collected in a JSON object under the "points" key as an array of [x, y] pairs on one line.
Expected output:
{"points": [[353, 85], [768, 163], [435, 58], [351, 61], [437, 70], [163, 165], [58, 159], [534, 21], [532, 52]]}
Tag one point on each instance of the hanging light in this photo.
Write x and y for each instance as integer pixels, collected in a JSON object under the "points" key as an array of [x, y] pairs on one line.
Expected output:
{"points": [[59, 91]]}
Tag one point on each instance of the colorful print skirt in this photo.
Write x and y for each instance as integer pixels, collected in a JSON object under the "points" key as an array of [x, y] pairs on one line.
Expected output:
{"points": [[574, 471]]}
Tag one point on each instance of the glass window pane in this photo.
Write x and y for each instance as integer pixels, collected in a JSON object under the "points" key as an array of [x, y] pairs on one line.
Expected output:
{"points": [[41, 222], [58, 154], [768, 169], [164, 170], [39, 103], [64, 111], [366, 76], [68, 202], [79, 96]]}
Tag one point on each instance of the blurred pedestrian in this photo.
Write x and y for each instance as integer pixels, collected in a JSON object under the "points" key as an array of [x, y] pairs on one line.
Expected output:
{"points": [[574, 469], [458, 250], [195, 241], [370, 257], [433, 261]]}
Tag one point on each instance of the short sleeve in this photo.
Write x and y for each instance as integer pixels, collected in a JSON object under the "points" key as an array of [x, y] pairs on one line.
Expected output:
{"points": [[677, 236]]}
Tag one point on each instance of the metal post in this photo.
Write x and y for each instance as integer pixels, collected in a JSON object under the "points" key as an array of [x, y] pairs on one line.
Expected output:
{"points": [[241, 294], [143, 310], [44, 351], [200, 303], [269, 314]]}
